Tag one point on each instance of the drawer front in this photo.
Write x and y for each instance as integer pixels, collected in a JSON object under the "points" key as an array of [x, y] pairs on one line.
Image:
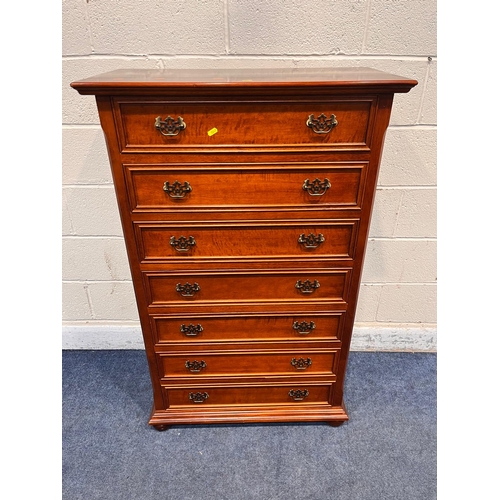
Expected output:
{"points": [[228, 287], [247, 240], [206, 396], [161, 125], [196, 329], [164, 188], [243, 364]]}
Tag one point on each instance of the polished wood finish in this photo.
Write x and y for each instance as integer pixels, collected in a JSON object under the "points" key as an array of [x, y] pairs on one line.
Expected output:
{"points": [[343, 81], [251, 124], [233, 328], [240, 186], [241, 363], [225, 240], [254, 287], [243, 396], [245, 227]]}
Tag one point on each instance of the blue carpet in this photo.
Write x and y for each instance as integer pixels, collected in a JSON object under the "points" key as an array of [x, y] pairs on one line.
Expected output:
{"points": [[386, 451]]}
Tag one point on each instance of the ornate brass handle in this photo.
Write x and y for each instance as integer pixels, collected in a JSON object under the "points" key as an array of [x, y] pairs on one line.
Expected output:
{"points": [[298, 395], [187, 290], [311, 240], [316, 187], [177, 190], [301, 363], [191, 330], [304, 328], [198, 397], [169, 126], [307, 286], [183, 244], [322, 124], [195, 366]]}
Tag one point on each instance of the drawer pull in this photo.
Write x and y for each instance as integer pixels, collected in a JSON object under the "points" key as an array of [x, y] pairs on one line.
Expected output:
{"points": [[301, 363], [298, 395], [177, 190], [195, 366], [187, 290], [169, 126], [198, 397], [307, 286], [311, 240], [304, 328], [322, 124], [183, 244], [316, 187], [191, 330]]}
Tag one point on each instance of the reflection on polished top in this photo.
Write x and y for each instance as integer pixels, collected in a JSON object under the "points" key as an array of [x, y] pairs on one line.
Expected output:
{"points": [[364, 78]]}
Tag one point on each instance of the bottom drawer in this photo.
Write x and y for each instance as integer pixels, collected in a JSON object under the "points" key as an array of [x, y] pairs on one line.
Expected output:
{"points": [[256, 395]]}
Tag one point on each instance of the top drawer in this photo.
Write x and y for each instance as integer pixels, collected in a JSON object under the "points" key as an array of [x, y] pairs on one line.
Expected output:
{"points": [[158, 125]]}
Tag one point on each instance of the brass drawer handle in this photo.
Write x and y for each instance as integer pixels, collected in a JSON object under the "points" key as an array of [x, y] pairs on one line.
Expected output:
{"points": [[187, 290], [311, 240], [169, 126], [191, 330], [177, 190], [304, 328], [316, 187], [198, 397], [301, 363], [195, 366], [322, 124], [298, 395], [182, 244], [307, 286]]}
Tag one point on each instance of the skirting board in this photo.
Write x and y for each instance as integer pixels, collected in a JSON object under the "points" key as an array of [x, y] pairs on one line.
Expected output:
{"points": [[411, 338]]}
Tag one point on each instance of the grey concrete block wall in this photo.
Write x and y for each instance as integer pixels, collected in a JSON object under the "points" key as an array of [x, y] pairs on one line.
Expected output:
{"points": [[397, 305]]}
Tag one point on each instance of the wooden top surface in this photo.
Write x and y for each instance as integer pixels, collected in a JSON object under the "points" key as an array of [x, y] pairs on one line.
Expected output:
{"points": [[361, 79]]}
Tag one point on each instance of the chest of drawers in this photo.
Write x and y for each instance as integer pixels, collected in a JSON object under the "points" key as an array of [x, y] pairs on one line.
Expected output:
{"points": [[245, 198]]}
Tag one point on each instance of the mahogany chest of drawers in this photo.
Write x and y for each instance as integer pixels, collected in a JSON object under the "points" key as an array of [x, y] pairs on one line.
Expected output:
{"points": [[245, 198]]}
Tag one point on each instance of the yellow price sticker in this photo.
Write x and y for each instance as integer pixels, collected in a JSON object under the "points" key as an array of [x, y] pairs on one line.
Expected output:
{"points": [[212, 131]]}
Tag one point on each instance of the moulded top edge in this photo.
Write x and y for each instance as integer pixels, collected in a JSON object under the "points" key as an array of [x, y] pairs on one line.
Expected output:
{"points": [[140, 80]]}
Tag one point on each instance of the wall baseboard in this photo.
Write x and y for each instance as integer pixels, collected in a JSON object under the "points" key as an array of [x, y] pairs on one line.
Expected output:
{"points": [[409, 338], [394, 338]]}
